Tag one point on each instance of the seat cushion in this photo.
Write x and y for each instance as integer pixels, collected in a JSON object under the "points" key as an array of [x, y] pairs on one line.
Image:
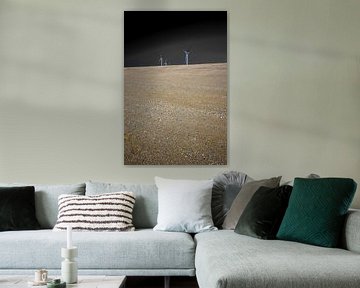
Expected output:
{"points": [[143, 249], [225, 259]]}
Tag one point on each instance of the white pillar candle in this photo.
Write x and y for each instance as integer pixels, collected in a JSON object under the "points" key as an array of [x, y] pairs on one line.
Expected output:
{"points": [[69, 237]]}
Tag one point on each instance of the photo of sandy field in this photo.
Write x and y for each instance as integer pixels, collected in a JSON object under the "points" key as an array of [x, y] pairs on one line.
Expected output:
{"points": [[175, 115], [175, 88]]}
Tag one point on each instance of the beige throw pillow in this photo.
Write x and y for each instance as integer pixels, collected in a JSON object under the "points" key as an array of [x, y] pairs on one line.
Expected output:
{"points": [[243, 198]]}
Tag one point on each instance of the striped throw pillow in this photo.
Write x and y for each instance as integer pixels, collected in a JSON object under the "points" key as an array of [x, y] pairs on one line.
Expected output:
{"points": [[105, 212]]}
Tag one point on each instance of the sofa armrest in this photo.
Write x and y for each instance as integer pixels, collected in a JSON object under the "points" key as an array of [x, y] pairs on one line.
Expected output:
{"points": [[351, 234]]}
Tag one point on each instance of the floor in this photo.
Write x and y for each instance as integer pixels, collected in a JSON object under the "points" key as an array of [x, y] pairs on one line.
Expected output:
{"points": [[158, 282]]}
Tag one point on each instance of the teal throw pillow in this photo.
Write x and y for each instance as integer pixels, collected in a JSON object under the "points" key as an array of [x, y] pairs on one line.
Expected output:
{"points": [[316, 211]]}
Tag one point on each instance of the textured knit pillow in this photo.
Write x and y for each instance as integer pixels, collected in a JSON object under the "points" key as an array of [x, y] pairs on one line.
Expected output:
{"points": [[316, 211], [226, 187], [105, 212], [17, 208], [184, 205], [243, 198], [263, 214]]}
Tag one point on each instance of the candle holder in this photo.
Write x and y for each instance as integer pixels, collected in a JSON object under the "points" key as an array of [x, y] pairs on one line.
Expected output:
{"points": [[69, 271]]}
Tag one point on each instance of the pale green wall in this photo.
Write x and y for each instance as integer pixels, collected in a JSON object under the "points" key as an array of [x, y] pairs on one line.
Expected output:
{"points": [[294, 89]]}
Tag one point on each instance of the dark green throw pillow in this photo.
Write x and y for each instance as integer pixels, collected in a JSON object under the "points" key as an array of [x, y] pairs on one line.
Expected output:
{"points": [[17, 208], [316, 211], [264, 212]]}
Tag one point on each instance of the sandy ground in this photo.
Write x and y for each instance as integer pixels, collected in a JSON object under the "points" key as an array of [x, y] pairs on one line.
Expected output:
{"points": [[176, 115]]}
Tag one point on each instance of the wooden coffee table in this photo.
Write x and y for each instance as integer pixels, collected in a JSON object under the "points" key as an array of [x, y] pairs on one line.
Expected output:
{"points": [[84, 281]]}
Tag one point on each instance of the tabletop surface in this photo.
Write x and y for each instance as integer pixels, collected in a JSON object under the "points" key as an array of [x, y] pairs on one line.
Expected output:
{"points": [[14, 281]]}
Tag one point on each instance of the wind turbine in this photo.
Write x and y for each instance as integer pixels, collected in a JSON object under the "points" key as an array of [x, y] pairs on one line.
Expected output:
{"points": [[187, 52], [161, 60]]}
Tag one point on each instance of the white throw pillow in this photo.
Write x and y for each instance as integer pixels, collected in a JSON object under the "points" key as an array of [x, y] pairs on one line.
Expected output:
{"points": [[184, 205], [104, 212]]}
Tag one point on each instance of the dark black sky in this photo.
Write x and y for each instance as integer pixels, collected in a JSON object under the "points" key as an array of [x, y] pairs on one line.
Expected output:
{"points": [[149, 34]]}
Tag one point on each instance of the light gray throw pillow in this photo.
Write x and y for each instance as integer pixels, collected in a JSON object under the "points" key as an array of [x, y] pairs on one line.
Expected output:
{"points": [[243, 198], [184, 205]]}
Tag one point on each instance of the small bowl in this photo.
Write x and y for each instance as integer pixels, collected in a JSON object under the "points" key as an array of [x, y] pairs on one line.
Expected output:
{"points": [[56, 283]]}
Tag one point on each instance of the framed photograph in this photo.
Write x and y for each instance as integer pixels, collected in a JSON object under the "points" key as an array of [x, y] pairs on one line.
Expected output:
{"points": [[175, 88]]}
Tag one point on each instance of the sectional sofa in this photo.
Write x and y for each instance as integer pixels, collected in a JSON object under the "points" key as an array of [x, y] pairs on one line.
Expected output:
{"points": [[219, 259]]}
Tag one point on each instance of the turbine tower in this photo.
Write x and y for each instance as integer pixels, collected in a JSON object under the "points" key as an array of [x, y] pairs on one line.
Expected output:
{"points": [[161, 60], [187, 52]]}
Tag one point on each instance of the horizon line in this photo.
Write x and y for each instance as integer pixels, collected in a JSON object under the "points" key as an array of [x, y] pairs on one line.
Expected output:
{"points": [[175, 65]]}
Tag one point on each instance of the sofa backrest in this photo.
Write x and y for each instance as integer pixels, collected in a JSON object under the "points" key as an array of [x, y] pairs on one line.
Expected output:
{"points": [[146, 203]]}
